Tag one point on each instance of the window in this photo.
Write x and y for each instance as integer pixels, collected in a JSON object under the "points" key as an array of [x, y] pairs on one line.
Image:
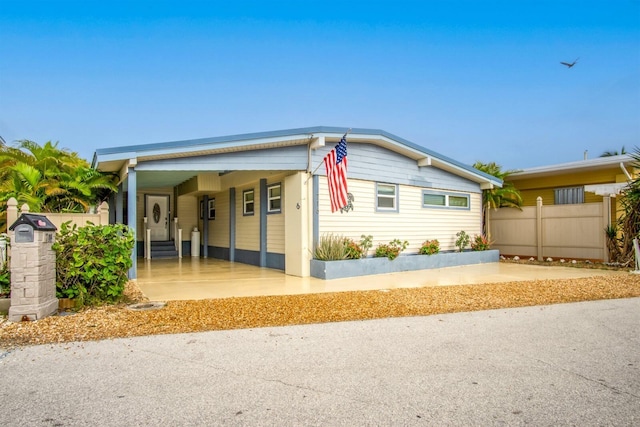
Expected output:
{"points": [[387, 198], [212, 208], [569, 195], [436, 199], [274, 196], [247, 201]]}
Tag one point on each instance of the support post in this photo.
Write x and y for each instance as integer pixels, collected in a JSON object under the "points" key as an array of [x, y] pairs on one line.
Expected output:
{"points": [[606, 223], [539, 227], [132, 218]]}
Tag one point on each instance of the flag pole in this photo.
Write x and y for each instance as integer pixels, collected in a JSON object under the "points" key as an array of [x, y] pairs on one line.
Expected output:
{"points": [[320, 164]]}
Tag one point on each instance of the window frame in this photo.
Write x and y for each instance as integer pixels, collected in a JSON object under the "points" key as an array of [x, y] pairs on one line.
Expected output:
{"points": [[557, 201], [447, 203], [245, 212], [395, 197], [211, 208], [269, 198]]}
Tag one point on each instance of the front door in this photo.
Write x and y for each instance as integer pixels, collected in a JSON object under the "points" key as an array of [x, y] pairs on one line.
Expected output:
{"points": [[157, 209]]}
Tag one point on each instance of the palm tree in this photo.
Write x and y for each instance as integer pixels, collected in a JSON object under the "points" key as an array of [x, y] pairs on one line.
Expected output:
{"points": [[613, 153], [506, 197], [629, 221], [49, 179]]}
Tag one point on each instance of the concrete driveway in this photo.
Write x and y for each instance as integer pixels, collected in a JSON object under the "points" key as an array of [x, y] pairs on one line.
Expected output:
{"points": [[568, 364], [198, 278]]}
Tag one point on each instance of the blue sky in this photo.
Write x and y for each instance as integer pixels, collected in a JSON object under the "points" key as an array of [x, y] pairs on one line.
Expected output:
{"points": [[473, 80]]}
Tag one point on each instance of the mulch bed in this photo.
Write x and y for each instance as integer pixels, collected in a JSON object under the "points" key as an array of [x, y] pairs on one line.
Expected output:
{"points": [[255, 312]]}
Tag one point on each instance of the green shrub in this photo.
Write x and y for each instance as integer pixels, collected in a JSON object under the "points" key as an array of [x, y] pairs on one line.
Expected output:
{"points": [[92, 262], [358, 250], [480, 243], [331, 248], [391, 250], [462, 240], [5, 281], [430, 247]]}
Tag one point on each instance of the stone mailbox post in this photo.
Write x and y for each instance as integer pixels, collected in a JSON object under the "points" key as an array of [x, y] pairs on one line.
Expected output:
{"points": [[33, 268]]}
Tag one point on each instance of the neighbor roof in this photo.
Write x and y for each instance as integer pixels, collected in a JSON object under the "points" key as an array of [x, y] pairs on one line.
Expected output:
{"points": [[571, 167]]}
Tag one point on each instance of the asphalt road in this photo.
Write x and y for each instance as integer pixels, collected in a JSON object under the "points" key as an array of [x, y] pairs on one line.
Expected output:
{"points": [[571, 364]]}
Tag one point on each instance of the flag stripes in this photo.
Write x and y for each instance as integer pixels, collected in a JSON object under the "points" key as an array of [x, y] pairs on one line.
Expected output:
{"points": [[336, 166]]}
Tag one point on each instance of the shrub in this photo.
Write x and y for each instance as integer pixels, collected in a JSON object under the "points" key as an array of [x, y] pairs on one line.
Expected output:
{"points": [[358, 250], [5, 281], [331, 248], [391, 250], [480, 243], [92, 262], [462, 240], [430, 247]]}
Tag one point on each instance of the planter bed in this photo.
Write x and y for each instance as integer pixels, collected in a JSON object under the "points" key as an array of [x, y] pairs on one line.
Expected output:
{"points": [[329, 270]]}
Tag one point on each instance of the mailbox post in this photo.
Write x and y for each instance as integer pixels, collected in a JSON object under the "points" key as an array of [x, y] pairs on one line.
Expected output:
{"points": [[33, 268]]}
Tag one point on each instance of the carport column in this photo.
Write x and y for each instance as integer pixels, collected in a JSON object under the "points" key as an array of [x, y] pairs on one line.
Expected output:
{"points": [[232, 224], [297, 235], [132, 206], [263, 222], [205, 226]]}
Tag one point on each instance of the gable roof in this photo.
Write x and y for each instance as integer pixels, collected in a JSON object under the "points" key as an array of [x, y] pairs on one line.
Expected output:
{"points": [[113, 159]]}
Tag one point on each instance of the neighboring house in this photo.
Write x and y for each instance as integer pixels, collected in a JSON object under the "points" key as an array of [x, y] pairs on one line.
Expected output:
{"points": [[262, 198], [578, 201], [584, 181]]}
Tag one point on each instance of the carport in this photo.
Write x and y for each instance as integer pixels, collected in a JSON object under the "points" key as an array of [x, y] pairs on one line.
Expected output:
{"points": [[192, 278]]}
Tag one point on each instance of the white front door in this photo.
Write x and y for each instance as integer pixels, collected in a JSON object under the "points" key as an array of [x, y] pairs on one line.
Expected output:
{"points": [[157, 209]]}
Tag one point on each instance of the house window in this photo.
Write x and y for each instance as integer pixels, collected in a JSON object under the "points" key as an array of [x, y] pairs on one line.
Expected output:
{"points": [[248, 203], [568, 195], [212, 208], [386, 198], [437, 199], [274, 196]]}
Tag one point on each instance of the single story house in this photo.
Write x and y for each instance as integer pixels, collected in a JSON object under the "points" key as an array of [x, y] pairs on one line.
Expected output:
{"points": [[262, 198]]}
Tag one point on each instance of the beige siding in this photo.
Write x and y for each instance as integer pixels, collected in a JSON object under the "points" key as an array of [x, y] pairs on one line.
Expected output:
{"points": [[219, 228], [412, 223], [188, 215], [248, 227], [275, 222]]}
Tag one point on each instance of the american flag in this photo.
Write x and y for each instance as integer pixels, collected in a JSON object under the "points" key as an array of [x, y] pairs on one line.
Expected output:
{"points": [[335, 164]]}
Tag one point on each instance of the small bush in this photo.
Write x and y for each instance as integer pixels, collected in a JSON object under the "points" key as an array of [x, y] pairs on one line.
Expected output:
{"points": [[480, 243], [391, 250], [92, 262], [430, 247], [358, 250], [5, 281], [331, 248], [462, 240]]}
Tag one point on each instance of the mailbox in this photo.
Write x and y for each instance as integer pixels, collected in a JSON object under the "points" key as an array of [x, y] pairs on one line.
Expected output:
{"points": [[33, 268], [27, 224], [24, 233]]}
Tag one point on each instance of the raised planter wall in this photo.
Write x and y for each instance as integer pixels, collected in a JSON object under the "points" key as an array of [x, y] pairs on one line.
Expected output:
{"points": [[329, 270]]}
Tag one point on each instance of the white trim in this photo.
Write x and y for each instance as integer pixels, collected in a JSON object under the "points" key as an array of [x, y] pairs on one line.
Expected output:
{"points": [[610, 189]]}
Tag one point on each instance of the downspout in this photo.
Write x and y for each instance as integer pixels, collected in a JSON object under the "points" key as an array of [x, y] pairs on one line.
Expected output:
{"points": [[629, 177]]}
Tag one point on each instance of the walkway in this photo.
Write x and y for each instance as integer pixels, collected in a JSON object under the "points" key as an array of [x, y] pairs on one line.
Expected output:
{"points": [[200, 278]]}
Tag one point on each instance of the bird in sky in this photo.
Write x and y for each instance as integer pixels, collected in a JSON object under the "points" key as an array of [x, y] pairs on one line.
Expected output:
{"points": [[570, 64]]}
